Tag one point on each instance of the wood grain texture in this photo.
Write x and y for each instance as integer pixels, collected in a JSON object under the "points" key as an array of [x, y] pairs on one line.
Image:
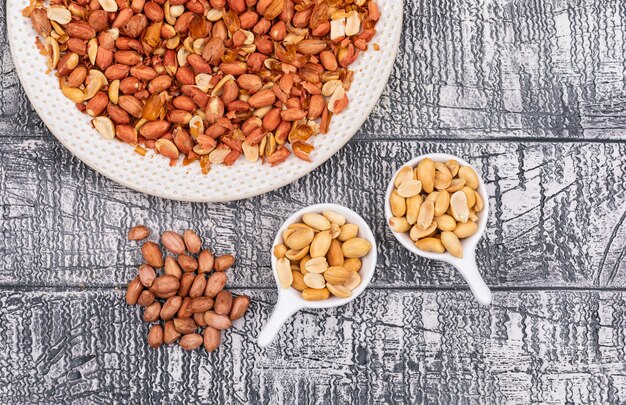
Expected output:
{"points": [[471, 70], [557, 216], [386, 347], [531, 93], [468, 70]]}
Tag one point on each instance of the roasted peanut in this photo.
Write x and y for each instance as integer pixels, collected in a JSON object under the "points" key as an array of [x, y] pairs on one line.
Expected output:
{"points": [[327, 243], [443, 212], [170, 49]]}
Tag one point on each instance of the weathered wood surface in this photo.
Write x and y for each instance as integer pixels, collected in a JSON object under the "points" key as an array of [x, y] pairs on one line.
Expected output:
{"points": [[473, 70], [556, 206], [556, 217], [530, 92], [387, 347]]}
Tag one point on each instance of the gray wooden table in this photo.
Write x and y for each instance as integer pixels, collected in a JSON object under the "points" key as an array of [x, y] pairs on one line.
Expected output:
{"points": [[533, 93]]}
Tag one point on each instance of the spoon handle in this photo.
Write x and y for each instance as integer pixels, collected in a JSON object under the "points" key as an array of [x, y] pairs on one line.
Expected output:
{"points": [[282, 311], [469, 270]]}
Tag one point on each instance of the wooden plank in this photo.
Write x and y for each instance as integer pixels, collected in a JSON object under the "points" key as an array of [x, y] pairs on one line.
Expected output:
{"points": [[504, 69], [557, 216], [386, 347], [17, 117]]}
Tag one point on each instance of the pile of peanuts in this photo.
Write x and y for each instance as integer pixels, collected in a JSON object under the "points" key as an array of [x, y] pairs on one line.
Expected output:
{"points": [[436, 203], [207, 80], [181, 300], [321, 256]]}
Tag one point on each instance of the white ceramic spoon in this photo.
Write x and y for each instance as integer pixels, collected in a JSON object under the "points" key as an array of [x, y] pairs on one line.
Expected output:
{"points": [[467, 265], [290, 300]]}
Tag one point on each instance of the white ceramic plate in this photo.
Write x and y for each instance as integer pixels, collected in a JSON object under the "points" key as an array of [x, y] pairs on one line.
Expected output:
{"points": [[151, 174]]}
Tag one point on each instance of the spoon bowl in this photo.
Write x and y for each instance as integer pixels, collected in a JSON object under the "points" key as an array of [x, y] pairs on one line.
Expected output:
{"points": [[290, 300], [466, 265]]}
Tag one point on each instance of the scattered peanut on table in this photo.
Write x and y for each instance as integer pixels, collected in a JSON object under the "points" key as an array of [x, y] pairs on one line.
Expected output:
{"points": [[207, 80], [183, 295], [321, 256], [436, 203]]}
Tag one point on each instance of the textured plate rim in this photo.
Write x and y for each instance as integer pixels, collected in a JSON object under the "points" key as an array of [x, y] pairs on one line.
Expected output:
{"points": [[378, 90]]}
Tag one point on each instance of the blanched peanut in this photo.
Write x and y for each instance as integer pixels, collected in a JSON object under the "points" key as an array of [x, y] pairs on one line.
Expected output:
{"points": [[329, 259], [430, 245], [313, 294], [465, 230], [452, 244], [443, 212]]}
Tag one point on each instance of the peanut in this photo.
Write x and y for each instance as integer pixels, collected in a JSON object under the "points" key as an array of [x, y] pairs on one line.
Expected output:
{"points": [[173, 242], [316, 221], [313, 294], [317, 265], [336, 275], [138, 232], [334, 256], [430, 245], [426, 214], [133, 290], [404, 174], [444, 212], [171, 267], [442, 203], [446, 223], [169, 49], [399, 224], [223, 263], [398, 204], [465, 230], [348, 231], [313, 280], [425, 172], [354, 282], [320, 244], [152, 254], [339, 290], [451, 242], [416, 233], [223, 302], [354, 265], [191, 341], [151, 313], [298, 281], [458, 206], [147, 275], [239, 307], [469, 175], [334, 218], [212, 338], [155, 336], [184, 301], [356, 248], [413, 205], [205, 261], [410, 188], [328, 243]]}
